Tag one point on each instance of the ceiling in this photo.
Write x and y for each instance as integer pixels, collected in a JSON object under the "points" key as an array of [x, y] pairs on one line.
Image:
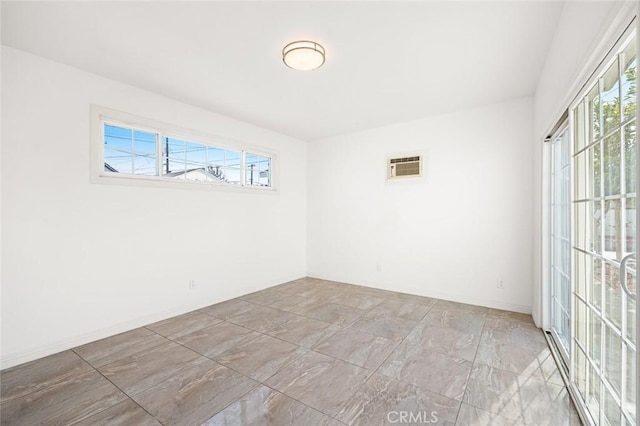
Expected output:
{"points": [[387, 62]]}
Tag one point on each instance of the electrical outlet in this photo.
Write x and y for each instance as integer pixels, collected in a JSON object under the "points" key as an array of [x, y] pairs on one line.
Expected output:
{"points": [[379, 267], [192, 284], [500, 284]]}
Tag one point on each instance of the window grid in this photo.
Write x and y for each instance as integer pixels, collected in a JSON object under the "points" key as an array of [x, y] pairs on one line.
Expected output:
{"points": [[179, 158], [603, 187]]}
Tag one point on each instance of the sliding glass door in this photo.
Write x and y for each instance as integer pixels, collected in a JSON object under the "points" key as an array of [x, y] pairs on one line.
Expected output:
{"points": [[603, 313], [561, 241]]}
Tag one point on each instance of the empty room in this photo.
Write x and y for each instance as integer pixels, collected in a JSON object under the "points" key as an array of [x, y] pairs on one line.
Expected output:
{"points": [[319, 213]]}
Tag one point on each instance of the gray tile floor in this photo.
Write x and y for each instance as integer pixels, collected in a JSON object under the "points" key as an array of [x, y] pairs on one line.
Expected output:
{"points": [[308, 352]]}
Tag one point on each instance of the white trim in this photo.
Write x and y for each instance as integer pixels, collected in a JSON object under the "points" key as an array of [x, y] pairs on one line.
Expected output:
{"points": [[615, 25], [17, 358], [101, 115], [418, 291]]}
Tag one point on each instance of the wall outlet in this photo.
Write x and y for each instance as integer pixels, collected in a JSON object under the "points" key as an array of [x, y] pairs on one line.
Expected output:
{"points": [[192, 284], [500, 284], [379, 267]]}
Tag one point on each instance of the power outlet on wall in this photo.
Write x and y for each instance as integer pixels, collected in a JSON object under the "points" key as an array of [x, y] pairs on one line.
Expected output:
{"points": [[379, 267], [192, 284], [500, 283]]}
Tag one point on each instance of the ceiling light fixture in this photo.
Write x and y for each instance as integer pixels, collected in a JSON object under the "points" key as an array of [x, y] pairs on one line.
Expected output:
{"points": [[303, 55]]}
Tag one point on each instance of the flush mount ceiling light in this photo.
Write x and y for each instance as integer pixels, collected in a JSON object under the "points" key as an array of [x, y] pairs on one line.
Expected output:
{"points": [[303, 55]]}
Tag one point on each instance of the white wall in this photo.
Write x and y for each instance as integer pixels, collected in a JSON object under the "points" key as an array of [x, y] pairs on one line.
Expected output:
{"points": [[83, 261], [585, 32], [450, 234]]}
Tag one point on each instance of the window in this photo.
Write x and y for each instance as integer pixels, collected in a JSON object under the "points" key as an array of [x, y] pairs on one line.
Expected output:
{"points": [[136, 149]]}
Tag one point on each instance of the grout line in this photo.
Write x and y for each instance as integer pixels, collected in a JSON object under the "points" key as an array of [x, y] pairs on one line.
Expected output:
{"points": [[117, 387], [385, 295]]}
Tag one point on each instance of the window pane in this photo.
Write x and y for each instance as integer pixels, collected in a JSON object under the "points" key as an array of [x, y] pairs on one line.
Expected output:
{"points": [[174, 151], [630, 332], [593, 114], [631, 377], [612, 164], [118, 144], [596, 289], [258, 170], [581, 371], [611, 410], [629, 63], [579, 135], [144, 157], [129, 151], [613, 294], [594, 337], [597, 226], [630, 225], [233, 166], [196, 163], [610, 99], [630, 140], [580, 322], [613, 359]]}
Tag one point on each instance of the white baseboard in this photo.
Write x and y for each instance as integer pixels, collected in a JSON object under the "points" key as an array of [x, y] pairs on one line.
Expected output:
{"points": [[13, 359], [495, 304]]}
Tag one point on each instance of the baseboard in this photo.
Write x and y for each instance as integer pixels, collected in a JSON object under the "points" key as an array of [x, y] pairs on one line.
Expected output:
{"points": [[13, 359], [17, 358], [495, 304]]}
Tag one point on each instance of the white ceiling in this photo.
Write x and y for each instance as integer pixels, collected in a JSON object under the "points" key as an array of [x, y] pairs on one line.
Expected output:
{"points": [[386, 61]]}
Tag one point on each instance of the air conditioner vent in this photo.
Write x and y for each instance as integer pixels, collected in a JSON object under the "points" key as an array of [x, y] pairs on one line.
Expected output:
{"points": [[405, 167]]}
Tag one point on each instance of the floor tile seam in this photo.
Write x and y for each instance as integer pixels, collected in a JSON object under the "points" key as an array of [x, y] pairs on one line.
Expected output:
{"points": [[212, 358], [351, 327], [512, 372], [473, 362], [192, 331], [317, 343], [151, 348], [266, 306], [369, 372], [49, 386], [74, 376], [186, 368], [546, 382], [230, 403], [410, 384], [120, 389], [166, 340], [347, 362], [443, 352], [518, 386], [297, 400], [422, 388], [502, 405]]}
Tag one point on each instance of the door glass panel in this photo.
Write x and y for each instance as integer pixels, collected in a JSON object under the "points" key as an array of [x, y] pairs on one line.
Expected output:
{"points": [[629, 62], [613, 360], [611, 410], [613, 295], [612, 164], [604, 233], [595, 337], [596, 289], [610, 99], [561, 240], [631, 375]]}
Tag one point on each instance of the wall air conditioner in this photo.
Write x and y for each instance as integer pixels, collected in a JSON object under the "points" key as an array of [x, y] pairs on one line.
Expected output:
{"points": [[405, 167]]}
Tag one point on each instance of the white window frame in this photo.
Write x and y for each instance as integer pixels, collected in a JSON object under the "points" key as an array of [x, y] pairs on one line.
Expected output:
{"points": [[102, 115]]}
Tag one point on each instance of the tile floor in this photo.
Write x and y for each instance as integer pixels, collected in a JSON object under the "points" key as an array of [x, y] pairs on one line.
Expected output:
{"points": [[308, 352]]}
